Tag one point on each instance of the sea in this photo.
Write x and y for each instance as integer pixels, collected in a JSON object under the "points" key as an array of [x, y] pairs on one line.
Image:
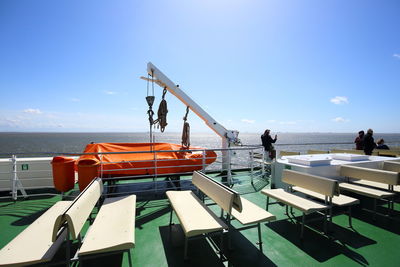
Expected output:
{"points": [[50, 143]]}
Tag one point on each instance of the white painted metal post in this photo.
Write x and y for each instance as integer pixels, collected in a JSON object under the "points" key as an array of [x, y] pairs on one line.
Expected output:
{"points": [[251, 165], [14, 178], [16, 183], [155, 175], [228, 169], [204, 161], [263, 163]]}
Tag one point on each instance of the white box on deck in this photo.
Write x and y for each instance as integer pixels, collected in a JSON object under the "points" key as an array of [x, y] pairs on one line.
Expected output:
{"points": [[349, 157], [310, 160]]}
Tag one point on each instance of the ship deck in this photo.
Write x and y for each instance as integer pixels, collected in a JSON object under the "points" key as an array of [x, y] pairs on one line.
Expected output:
{"points": [[369, 243]]}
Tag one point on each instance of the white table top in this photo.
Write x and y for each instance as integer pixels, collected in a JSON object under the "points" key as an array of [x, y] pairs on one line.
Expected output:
{"points": [[320, 160]]}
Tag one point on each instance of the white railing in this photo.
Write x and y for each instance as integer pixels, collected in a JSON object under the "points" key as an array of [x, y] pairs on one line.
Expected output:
{"points": [[18, 174]]}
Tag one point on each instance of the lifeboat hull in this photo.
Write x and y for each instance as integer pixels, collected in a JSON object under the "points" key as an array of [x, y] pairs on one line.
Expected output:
{"points": [[142, 161]]}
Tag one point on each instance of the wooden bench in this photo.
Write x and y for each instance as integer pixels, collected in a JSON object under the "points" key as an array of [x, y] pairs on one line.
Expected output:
{"points": [[22, 251], [288, 153], [340, 200], [197, 219], [242, 210], [37, 243], [387, 152], [370, 175], [393, 166], [326, 187], [352, 151], [113, 230], [313, 151], [387, 166]]}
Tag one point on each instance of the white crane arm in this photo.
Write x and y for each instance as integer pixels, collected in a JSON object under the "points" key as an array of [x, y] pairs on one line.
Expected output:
{"points": [[229, 136]]}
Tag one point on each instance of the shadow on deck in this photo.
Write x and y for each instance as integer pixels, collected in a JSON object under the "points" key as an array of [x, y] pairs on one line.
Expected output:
{"points": [[320, 247], [201, 253]]}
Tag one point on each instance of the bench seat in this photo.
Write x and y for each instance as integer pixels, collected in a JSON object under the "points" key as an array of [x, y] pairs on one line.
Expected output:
{"points": [[34, 244], [113, 229], [195, 217], [305, 205], [379, 185], [340, 200], [251, 213], [366, 191]]}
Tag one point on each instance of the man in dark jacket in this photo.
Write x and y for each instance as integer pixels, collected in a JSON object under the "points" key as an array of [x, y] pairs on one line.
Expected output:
{"points": [[267, 142], [369, 143]]}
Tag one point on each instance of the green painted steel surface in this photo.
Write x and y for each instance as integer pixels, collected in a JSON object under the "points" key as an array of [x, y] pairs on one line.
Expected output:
{"points": [[372, 243]]}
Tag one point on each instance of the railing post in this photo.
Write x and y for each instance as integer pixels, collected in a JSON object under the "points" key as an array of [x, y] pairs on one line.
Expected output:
{"points": [[16, 183], [14, 178], [229, 167], [204, 161], [251, 165], [101, 166], [263, 162], [155, 170]]}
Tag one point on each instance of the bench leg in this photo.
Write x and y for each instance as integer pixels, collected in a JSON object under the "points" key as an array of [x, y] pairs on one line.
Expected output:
{"points": [[374, 218], [349, 215], [228, 219], [185, 251], [221, 246], [390, 206], [170, 217], [259, 236], [68, 250], [130, 258], [325, 222], [267, 203], [303, 219], [291, 212]]}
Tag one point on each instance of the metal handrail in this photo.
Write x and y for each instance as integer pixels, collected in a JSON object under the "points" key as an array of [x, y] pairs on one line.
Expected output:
{"points": [[153, 171]]}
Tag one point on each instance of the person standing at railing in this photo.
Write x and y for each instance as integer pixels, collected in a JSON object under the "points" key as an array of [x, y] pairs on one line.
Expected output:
{"points": [[369, 143], [359, 140], [381, 144], [267, 142]]}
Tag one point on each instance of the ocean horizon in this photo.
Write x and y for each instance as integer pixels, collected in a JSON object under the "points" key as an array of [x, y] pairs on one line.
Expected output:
{"points": [[31, 143]]}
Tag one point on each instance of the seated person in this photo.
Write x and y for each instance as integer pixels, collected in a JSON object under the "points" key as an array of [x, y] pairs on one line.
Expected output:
{"points": [[381, 144]]}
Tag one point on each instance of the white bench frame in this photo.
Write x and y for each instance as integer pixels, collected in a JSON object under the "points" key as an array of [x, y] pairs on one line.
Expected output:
{"points": [[66, 219], [243, 210], [96, 244], [206, 223], [324, 186], [228, 200], [22, 251], [389, 178], [340, 201]]}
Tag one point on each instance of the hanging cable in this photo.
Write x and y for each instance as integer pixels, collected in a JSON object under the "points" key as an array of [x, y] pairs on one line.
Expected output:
{"points": [[150, 102], [186, 131], [162, 113]]}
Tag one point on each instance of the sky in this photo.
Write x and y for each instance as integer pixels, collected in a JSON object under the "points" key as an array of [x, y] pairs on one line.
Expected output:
{"points": [[290, 66]]}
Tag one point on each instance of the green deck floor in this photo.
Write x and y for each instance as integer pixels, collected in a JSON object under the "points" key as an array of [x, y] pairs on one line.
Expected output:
{"points": [[370, 243]]}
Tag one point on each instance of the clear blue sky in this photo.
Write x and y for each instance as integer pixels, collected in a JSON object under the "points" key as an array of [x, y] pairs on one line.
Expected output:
{"points": [[291, 66]]}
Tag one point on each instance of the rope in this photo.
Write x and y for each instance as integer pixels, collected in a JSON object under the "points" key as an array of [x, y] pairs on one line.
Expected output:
{"points": [[186, 131], [150, 112], [162, 113]]}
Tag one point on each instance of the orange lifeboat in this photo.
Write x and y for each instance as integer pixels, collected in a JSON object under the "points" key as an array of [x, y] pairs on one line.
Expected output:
{"points": [[169, 160]]}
